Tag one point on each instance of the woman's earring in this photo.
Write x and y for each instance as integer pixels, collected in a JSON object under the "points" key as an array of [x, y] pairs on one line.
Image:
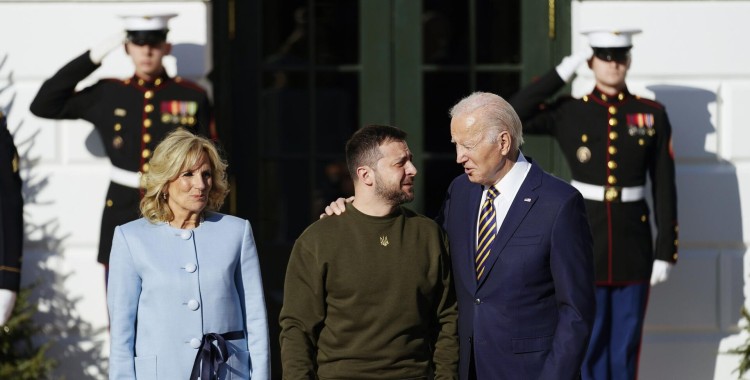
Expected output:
{"points": [[164, 196]]}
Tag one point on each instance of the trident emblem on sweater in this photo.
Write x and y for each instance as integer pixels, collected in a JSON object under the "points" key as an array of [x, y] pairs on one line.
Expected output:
{"points": [[384, 241]]}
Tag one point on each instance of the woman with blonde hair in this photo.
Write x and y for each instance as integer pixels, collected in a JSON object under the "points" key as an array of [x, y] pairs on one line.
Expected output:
{"points": [[185, 295]]}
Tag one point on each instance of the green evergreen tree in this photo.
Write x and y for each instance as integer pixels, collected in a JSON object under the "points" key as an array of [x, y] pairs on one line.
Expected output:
{"points": [[744, 349], [20, 359]]}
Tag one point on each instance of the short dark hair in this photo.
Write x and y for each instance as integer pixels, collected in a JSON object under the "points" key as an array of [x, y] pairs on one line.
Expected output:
{"points": [[363, 147]]}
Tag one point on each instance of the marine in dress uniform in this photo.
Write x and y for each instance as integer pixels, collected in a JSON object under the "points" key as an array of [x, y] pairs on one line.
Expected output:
{"points": [[11, 222], [613, 140], [132, 115]]}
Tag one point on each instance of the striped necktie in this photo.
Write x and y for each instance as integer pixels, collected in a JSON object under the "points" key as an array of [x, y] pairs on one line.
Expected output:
{"points": [[487, 230]]}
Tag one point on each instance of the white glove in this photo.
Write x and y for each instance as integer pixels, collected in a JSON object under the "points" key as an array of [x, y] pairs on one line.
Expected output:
{"points": [[98, 52], [568, 66], [7, 300], [660, 271]]}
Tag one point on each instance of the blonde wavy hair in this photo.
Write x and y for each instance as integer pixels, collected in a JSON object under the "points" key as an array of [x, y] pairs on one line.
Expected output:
{"points": [[181, 149]]}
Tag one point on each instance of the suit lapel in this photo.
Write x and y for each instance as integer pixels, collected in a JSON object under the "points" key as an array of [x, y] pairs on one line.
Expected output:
{"points": [[519, 208], [475, 196]]}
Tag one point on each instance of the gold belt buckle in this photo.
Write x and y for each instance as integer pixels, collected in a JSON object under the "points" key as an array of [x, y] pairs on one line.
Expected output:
{"points": [[612, 194]]}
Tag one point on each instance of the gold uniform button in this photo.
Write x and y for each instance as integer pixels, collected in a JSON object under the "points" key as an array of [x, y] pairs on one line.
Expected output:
{"points": [[146, 138], [110, 203], [644, 218], [118, 127], [604, 97], [117, 142], [676, 229], [157, 81], [147, 123], [620, 96], [612, 150], [146, 153], [149, 108], [676, 243], [149, 94], [612, 121], [613, 135], [612, 165], [674, 256], [612, 110], [585, 98], [145, 167], [611, 194], [641, 142], [141, 82], [583, 154], [611, 180], [584, 137]]}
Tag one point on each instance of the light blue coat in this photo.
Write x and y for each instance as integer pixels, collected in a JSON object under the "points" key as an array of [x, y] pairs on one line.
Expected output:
{"points": [[168, 287]]}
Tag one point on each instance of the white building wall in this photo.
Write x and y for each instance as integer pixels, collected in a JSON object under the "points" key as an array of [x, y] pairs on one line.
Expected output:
{"points": [[63, 165], [693, 58]]}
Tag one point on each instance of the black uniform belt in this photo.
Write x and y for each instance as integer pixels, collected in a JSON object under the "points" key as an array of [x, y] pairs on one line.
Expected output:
{"points": [[610, 193], [211, 356]]}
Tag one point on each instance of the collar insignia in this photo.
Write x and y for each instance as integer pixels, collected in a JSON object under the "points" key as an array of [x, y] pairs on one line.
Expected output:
{"points": [[384, 241]]}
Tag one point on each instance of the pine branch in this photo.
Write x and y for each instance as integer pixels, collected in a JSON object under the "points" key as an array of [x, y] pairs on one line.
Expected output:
{"points": [[19, 357]]}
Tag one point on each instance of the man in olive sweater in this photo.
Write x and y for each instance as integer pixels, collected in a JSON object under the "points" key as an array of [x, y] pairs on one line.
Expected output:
{"points": [[368, 295]]}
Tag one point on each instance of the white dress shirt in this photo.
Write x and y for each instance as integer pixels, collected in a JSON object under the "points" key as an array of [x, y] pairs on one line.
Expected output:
{"points": [[508, 188]]}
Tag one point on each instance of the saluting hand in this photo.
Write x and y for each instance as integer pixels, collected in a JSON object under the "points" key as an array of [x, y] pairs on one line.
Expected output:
{"points": [[568, 66], [98, 52]]}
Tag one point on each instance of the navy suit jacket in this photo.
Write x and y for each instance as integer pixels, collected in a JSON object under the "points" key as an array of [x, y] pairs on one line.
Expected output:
{"points": [[531, 314]]}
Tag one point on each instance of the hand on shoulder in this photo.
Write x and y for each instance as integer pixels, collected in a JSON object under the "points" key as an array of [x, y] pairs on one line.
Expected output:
{"points": [[337, 207]]}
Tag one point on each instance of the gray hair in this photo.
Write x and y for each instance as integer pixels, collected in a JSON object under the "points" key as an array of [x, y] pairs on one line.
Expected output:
{"points": [[494, 114]]}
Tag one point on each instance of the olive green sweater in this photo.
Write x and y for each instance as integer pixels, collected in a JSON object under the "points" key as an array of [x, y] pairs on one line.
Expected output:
{"points": [[369, 298]]}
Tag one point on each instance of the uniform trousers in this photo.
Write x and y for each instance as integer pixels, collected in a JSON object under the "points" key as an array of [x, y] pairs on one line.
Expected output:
{"points": [[615, 343]]}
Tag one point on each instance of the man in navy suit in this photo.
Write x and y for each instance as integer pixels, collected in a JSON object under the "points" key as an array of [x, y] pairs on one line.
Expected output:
{"points": [[523, 266], [526, 300], [613, 142]]}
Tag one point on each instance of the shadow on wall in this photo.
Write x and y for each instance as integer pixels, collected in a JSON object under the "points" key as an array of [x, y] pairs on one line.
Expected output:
{"points": [[75, 345], [191, 64], [191, 60], [700, 305]]}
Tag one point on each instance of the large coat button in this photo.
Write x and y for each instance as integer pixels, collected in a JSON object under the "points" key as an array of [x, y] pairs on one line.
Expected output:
{"points": [[195, 342], [193, 305], [190, 268], [186, 235]]}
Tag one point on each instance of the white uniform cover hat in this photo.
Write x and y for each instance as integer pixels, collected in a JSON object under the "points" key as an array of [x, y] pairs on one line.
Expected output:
{"points": [[147, 22], [611, 38]]}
